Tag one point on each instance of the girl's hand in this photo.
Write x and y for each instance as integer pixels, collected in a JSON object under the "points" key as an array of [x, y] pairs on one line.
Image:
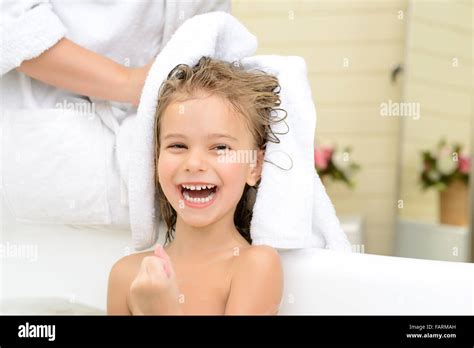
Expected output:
{"points": [[155, 290], [136, 81]]}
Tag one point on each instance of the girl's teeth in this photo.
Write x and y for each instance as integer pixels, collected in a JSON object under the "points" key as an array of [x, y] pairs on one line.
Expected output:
{"points": [[197, 187], [197, 200]]}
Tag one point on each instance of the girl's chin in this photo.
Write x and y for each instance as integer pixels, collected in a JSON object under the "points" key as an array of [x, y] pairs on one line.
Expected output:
{"points": [[195, 221]]}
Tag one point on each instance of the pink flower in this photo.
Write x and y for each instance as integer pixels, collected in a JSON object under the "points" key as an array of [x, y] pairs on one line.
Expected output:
{"points": [[322, 157], [464, 164]]}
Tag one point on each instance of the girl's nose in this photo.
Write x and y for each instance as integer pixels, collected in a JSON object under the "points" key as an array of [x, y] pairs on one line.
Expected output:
{"points": [[195, 161]]}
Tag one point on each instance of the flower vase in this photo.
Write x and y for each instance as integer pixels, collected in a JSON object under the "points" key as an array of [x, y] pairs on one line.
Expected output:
{"points": [[453, 204]]}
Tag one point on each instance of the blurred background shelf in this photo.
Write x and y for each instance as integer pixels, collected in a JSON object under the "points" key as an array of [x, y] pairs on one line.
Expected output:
{"points": [[432, 241]]}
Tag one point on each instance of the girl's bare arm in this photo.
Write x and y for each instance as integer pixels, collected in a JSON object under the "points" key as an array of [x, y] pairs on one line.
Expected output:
{"points": [[69, 66], [257, 283]]}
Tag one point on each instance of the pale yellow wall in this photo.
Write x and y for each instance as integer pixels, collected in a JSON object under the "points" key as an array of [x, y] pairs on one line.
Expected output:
{"points": [[440, 34], [370, 34]]}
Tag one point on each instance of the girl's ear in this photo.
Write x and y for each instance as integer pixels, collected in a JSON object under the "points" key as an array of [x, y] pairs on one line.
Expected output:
{"points": [[256, 168]]}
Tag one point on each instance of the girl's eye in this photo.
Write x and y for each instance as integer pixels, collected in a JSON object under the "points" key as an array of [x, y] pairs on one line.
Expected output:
{"points": [[222, 147], [177, 146]]}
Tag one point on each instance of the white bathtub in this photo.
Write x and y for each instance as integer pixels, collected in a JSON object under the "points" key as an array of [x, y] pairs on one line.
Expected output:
{"points": [[67, 274]]}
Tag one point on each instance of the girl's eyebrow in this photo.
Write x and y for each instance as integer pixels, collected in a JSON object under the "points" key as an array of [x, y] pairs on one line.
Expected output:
{"points": [[212, 135], [174, 135], [221, 135]]}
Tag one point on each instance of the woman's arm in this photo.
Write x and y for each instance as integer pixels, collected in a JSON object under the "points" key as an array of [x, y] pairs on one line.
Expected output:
{"points": [[72, 67], [257, 282]]}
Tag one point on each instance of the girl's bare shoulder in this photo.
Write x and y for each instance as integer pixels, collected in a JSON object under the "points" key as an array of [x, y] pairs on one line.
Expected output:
{"points": [[255, 260], [120, 278], [258, 255], [125, 270]]}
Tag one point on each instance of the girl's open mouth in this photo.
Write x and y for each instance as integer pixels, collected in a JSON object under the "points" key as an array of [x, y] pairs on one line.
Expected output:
{"points": [[198, 195]]}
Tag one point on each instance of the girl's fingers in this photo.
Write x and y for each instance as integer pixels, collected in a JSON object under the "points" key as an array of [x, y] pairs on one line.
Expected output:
{"points": [[161, 253], [155, 267], [143, 272]]}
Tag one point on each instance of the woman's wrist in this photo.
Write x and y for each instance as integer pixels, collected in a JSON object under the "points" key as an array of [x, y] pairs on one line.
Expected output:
{"points": [[135, 80]]}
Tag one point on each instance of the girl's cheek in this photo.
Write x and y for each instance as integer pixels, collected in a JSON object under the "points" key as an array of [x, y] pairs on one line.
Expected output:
{"points": [[166, 167], [166, 162], [232, 174], [230, 168]]}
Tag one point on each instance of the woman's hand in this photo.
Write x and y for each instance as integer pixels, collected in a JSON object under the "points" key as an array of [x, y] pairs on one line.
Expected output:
{"points": [[136, 80], [155, 290]]}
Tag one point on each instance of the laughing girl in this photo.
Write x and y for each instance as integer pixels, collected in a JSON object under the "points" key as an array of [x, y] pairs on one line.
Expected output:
{"points": [[206, 114]]}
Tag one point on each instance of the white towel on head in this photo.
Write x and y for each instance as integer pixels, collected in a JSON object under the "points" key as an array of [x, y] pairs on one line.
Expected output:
{"points": [[292, 209], [304, 215]]}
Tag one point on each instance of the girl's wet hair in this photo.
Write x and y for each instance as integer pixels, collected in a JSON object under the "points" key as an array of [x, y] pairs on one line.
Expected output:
{"points": [[253, 94]]}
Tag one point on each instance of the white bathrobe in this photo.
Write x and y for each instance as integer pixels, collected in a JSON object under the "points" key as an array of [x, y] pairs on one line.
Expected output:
{"points": [[127, 31], [44, 176]]}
